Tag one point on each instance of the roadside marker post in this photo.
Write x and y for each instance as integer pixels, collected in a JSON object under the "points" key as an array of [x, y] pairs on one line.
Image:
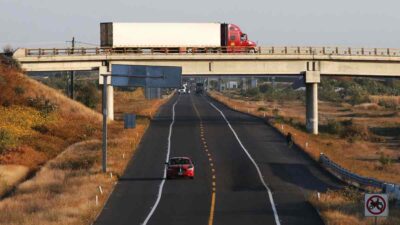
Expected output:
{"points": [[376, 205], [136, 76]]}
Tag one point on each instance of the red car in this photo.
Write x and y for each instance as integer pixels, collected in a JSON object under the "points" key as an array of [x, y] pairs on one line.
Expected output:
{"points": [[180, 167]]}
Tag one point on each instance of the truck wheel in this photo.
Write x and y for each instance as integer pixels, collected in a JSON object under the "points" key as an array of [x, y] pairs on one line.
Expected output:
{"points": [[189, 50], [252, 50]]}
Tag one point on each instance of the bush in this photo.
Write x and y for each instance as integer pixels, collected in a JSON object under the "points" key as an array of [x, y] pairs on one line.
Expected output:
{"points": [[75, 164], [385, 160], [357, 95], [262, 108], [41, 129], [7, 58], [252, 92], [264, 88], [42, 104], [355, 132], [334, 127], [19, 90], [7, 140], [88, 94]]}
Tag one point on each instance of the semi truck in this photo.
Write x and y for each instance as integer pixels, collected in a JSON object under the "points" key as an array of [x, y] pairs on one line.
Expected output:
{"points": [[199, 88], [175, 37]]}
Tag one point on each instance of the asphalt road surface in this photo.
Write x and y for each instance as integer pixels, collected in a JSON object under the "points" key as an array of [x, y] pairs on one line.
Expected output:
{"points": [[244, 172]]}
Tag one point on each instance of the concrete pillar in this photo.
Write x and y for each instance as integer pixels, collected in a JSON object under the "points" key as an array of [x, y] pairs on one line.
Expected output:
{"points": [[219, 84], [244, 84], [312, 107], [253, 82], [110, 102], [312, 79]]}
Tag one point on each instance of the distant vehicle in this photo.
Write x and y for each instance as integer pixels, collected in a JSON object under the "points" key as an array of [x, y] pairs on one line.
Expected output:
{"points": [[182, 91], [175, 37], [199, 88], [180, 167]]}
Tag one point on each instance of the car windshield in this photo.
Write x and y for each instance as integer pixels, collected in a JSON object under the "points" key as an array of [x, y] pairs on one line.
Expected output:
{"points": [[179, 161]]}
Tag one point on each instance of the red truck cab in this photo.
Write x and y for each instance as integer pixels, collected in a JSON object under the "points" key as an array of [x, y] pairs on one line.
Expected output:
{"points": [[235, 40]]}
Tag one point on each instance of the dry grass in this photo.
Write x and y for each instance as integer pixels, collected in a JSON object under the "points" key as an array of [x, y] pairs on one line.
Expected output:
{"points": [[64, 190], [345, 207], [394, 100], [38, 124], [11, 175], [135, 102]]}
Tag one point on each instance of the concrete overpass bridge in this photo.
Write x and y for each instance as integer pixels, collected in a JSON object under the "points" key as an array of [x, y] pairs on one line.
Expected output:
{"points": [[311, 62]]}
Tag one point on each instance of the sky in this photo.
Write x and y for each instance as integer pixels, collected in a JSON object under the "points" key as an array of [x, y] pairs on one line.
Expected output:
{"points": [[346, 23]]}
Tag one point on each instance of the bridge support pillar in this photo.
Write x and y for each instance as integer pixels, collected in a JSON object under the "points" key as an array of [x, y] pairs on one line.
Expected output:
{"points": [[312, 79]]}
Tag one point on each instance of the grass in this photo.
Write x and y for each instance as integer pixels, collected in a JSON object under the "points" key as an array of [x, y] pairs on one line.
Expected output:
{"points": [[10, 175], [346, 207]]}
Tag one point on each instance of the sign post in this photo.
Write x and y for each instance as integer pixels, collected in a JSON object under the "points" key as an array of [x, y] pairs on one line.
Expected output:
{"points": [[136, 76], [376, 205]]}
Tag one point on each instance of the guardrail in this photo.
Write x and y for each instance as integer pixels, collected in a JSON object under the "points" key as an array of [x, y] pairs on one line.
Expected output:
{"points": [[359, 181], [340, 51]]}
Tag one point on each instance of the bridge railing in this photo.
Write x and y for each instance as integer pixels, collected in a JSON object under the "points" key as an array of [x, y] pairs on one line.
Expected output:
{"points": [[341, 51]]}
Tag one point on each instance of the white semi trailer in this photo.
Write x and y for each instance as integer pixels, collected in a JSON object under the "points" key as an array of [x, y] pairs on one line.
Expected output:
{"points": [[173, 37]]}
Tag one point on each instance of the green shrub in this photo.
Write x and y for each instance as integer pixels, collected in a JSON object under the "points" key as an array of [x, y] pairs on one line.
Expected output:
{"points": [[41, 129], [7, 140], [42, 104], [19, 90], [262, 108], [385, 160], [334, 127], [87, 94]]}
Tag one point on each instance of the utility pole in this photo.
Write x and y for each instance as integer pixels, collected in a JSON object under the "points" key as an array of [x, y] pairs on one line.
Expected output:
{"points": [[72, 73]]}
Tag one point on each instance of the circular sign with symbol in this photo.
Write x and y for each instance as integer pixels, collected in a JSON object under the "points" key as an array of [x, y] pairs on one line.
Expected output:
{"points": [[375, 204]]}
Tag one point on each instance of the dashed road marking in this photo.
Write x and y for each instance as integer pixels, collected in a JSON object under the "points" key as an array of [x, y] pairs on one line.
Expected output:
{"points": [[212, 207]]}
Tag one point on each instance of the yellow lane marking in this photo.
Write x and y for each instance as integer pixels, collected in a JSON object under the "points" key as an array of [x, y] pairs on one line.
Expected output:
{"points": [[212, 208], [211, 218], [213, 177]]}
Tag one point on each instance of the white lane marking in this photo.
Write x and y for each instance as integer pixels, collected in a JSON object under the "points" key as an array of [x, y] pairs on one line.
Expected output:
{"points": [[271, 199], [160, 189]]}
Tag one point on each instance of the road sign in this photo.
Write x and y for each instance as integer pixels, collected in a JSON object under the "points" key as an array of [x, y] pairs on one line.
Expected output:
{"points": [[146, 76], [376, 205]]}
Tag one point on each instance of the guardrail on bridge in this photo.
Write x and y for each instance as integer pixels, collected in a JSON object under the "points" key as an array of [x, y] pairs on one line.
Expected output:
{"points": [[339, 51]]}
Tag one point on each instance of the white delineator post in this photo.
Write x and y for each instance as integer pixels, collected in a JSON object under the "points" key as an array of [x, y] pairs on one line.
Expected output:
{"points": [[312, 79]]}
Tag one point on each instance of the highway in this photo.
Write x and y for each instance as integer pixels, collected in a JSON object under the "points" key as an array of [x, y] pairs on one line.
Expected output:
{"points": [[245, 173]]}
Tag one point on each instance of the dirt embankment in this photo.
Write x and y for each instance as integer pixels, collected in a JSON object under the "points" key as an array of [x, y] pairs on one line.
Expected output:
{"points": [[42, 130]]}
